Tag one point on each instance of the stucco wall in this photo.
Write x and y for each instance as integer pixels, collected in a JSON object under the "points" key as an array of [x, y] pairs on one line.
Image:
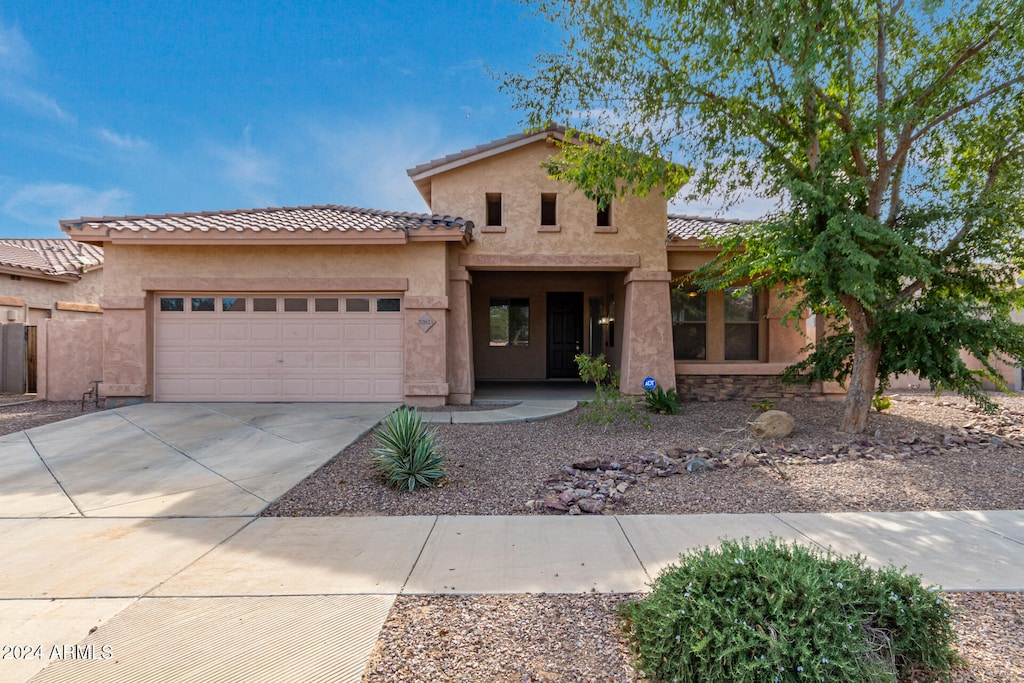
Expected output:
{"points": [[70, 354], [638, 223], [43, 295], [423, 264]]}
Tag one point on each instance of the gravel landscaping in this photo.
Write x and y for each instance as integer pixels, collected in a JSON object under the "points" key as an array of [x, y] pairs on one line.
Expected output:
{"points": [[925, 453]]}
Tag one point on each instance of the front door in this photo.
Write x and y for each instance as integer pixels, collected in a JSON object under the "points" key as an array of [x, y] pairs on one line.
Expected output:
{"points": [[565, 333]]}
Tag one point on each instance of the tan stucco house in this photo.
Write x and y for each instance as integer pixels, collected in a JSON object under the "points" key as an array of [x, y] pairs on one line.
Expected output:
{"points": [[49, 278], [507, 277]]}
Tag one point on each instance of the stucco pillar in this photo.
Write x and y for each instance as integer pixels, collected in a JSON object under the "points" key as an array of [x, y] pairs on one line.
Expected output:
{"points": [[460, 339], [426, 352], [785, 337], [127, 358], [647, 331]]}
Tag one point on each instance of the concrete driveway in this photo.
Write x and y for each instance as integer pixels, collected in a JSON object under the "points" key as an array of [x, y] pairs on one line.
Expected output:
{"points": [[174, 459]]}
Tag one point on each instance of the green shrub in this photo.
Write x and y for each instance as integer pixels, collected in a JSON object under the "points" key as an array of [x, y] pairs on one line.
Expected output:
{"points": [[609, 403], [881, 403], [774, 612], [764, 405], [661, 401], [407, 452]]}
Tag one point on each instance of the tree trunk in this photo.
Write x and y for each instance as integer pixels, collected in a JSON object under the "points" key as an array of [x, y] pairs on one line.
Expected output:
{"points": [[865, 369]]}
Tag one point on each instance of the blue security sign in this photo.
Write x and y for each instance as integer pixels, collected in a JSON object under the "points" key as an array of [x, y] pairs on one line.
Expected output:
{"points": [[650, 383]]}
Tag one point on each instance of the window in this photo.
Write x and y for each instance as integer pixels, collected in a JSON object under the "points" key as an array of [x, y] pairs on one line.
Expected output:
{"points": [[321, 305], [172, 303], [689, 323], [604, 216], [264, 305], [742, 318], [202, 303], [232, 303], [510, 322], [389, 305], [15, 277], [357, 305], [494, 208], [548, 212], [296, 305]]}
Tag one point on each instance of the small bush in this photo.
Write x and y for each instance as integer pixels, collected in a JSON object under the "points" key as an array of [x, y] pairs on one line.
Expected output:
{"points": [[407, 453], [774, 612], [661, 401], [763, 406], [609, 402], [881, 403]]}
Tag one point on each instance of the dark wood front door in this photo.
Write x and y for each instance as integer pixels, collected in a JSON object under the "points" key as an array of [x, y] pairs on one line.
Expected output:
{"points": [[565, 333]]}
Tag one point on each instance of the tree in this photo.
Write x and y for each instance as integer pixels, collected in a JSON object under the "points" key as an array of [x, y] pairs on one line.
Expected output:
{"points": [[891, 134]]}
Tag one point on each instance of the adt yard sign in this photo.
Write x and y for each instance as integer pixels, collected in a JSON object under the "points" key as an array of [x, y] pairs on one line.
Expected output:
{"points": [[650, 383]]}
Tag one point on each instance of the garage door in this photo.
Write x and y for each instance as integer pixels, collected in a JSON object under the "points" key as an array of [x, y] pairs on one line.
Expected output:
{"points": [[284, 347]]}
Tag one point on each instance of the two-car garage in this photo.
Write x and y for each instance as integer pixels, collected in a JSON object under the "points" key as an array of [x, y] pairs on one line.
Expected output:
{"points": [[278, 346]]}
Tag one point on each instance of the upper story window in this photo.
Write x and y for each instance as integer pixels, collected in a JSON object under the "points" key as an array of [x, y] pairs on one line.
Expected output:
{"points": [[548, 209], [742, 324], [604, 216], [494, 208]]}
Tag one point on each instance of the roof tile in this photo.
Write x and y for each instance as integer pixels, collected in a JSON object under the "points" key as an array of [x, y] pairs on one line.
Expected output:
{"points": [[322, 218], [698, 227], [58, 256]]}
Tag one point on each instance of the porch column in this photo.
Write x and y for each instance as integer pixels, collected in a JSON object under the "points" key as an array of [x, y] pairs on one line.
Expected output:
{"points": [[127, 351], [460, 339], [647, 331], [426, 357]]}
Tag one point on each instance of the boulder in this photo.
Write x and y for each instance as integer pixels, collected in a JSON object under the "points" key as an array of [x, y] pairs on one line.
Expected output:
{"points": [[772, 424]]}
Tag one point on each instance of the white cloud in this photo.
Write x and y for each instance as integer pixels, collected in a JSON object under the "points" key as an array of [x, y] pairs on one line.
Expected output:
{"points": [[250, 172], [44, 204], [15, 53], [125, 142], [366, 164], [17, 66]]}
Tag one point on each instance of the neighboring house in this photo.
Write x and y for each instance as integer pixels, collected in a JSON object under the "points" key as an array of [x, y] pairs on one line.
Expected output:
{"points": [[508, 278], [49, 278], [42, 279]]}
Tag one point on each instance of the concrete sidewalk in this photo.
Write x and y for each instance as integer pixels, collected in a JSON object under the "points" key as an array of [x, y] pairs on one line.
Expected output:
{"points": [[182, 600]]}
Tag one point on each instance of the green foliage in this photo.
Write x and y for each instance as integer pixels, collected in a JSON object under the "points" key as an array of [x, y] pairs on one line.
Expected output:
{"points": [[768, 611], [763, 406], [407, 453], [889, 135], [881, 403], [660, 401], [609, 403]]}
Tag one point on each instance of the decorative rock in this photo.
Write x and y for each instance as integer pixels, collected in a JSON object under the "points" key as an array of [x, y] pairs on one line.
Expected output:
{"points": [[587, 464], [552, 503], [591, 506], [567, 497], [622, 487], [772, 424], [575, 510], [698, 465]]}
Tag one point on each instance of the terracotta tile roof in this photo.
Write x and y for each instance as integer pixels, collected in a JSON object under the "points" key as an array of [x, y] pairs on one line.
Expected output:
{"points": [[295, 219], [50, 256], [698, 227], [499, 144]]}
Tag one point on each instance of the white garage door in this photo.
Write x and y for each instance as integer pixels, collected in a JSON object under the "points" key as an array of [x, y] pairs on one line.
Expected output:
{"points": [[278, 347]]}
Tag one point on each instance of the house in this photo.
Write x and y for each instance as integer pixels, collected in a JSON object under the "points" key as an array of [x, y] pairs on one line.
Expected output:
{"points": [[42, 279], [49, 278], [508, 277]]}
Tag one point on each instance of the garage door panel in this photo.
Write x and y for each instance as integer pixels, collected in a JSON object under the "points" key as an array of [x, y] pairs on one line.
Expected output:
{"points": [[358, 360], [387, 360], [271, 355], [200, 332], [357, 331]]}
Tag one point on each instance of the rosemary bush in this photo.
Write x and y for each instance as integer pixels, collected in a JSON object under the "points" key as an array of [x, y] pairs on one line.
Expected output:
{"points": [[773, 612]]}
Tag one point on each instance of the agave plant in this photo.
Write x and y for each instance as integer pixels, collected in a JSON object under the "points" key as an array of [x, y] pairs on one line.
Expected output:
{"points": [[407, 453]]}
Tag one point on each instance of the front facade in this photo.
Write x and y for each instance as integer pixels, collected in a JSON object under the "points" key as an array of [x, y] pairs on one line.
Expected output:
{"points": [[508, 278]]}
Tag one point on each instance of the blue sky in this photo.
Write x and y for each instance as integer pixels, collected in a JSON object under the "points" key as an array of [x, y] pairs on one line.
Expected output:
{"points": [[113, 107]]}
